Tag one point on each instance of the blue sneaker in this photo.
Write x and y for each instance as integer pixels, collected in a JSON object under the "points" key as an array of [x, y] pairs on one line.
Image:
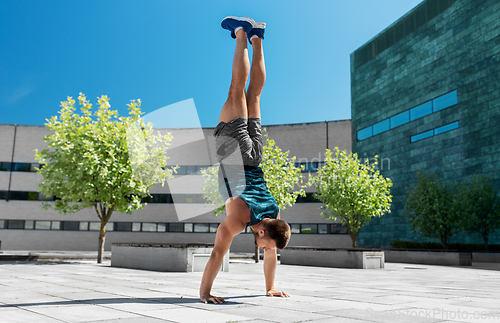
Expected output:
{"points": [[231, 23], [258, 29]]}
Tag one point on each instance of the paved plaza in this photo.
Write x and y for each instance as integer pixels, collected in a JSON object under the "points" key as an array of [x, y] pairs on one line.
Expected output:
{"points": [[83, 291]]}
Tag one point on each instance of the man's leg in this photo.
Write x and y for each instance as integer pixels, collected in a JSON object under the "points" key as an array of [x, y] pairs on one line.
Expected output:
{"points": [[257, 79], [236, 104]]}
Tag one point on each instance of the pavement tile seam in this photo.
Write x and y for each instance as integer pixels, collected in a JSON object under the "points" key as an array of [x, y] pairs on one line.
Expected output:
{"points": [[38, 314]]}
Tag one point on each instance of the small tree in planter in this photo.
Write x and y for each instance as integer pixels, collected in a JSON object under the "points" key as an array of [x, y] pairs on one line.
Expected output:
{"points": [[431, 209], [352, 191], [479, 204]]}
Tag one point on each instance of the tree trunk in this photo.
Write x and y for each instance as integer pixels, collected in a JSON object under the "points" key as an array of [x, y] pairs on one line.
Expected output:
{"points": [[102, 238], [104, 215], [444, 242], [353, 235], [485, 238]]}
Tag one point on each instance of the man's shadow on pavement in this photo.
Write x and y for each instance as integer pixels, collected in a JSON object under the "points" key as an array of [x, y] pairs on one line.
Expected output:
{"points": [[123, 300]]}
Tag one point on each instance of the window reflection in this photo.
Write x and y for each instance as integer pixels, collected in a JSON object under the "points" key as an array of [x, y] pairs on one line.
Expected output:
{"points": [[381, 126]]}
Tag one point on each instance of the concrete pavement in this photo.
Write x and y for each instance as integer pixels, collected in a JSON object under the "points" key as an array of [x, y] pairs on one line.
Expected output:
{"points": [[83, 291]]}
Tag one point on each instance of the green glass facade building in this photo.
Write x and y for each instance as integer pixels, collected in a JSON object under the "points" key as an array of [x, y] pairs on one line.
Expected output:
{"points": [[426, 95]]}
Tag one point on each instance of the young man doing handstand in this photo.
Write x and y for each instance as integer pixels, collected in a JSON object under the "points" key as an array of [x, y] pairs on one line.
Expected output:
{"points": [[238, 140]]}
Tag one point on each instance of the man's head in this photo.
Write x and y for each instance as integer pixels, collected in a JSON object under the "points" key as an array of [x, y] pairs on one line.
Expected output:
{"points": [[276, 234]]}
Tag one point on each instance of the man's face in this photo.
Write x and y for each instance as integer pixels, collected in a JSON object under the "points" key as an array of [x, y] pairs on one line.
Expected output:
{"points": [[265, 243]]}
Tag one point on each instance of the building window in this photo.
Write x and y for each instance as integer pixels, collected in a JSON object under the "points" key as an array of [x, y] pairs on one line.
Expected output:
{"points": [[42, 197], [95, 226], [14, 224], [322, 228], [2, 224], [29, 225], [445, 101], [149, 227], [188, 227], [433, 132], [337, 228], [34, 167], [3, 195], [214, 227], [123, 226], [42, 225], [421, 111], [400, 119], [5, 167], [176, 227], [365, 133], [295, 228], [309, 228], [381, 126], [309, 198], [445, 128], [84, 226], [70, 225], [162, 227], [422, 135], [136, 226], [22, 167], [201, 227]]}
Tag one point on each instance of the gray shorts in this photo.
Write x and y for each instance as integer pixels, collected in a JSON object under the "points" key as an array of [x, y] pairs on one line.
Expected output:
{"points": [[243, 134]]}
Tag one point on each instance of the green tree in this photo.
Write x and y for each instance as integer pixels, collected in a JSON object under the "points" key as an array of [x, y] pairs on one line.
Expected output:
{"points": [[284, 179], [431, 208], [101, 161], [479, 205], [352, 191]]}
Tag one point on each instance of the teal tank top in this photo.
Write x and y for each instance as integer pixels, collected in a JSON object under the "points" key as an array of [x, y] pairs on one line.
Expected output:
{"points": [[249, 185]]}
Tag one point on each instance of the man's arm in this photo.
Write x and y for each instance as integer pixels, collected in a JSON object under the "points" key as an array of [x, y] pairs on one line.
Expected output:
{"points": [[270, 261], [229, 228]]}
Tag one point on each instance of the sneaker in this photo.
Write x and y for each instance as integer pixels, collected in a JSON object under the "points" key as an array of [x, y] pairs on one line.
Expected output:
{"points": [[258, 29], [231, 23]]}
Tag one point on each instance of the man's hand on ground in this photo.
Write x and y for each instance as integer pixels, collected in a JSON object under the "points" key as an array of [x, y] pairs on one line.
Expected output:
{"points": [[212, 299], [273, 292]]}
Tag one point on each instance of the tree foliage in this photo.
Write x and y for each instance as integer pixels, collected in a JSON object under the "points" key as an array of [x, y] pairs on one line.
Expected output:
{"points": [[352, 191], [431, 208], [100, 160], [284, 179], [479, 204]]}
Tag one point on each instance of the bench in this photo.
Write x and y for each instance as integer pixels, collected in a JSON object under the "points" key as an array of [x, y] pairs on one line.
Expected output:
{"points": [[429, 257], [486, 256], [333, 257], [173, 257]]}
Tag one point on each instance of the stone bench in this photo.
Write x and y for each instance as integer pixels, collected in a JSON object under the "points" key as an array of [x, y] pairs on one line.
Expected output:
{"points": [[486, 256], [429, 257], [333, 257], [175, 257]]}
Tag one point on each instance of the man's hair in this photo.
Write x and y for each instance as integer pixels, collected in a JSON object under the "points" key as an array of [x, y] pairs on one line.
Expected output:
{"points": [[279, 231]]}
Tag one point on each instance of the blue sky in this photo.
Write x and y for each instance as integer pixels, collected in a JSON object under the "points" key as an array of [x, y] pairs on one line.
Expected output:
{"points": [[164, 52]]}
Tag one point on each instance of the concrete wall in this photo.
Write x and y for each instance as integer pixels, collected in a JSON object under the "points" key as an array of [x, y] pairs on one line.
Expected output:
{"points": [[457, 50], [38, 240]]}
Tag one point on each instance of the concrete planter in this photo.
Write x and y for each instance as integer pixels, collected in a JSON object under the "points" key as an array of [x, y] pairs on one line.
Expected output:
{"points": [[429, 257], [486, 257], [336, 258], [163, 257]]}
